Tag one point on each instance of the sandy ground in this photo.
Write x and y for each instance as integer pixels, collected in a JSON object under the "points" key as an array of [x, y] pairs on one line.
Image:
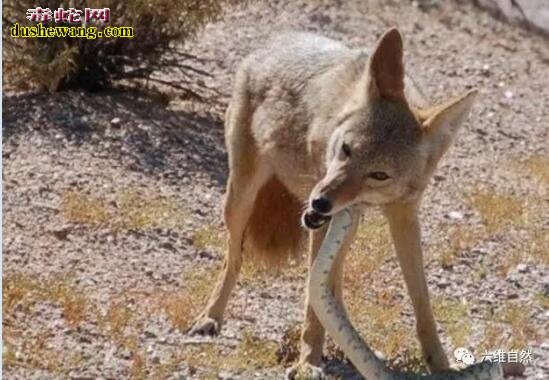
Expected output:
{"points": [[112, 229]]}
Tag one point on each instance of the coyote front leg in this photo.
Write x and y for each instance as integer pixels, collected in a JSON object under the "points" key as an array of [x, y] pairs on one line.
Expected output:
{"points": [[405, 230], [312, 336]]}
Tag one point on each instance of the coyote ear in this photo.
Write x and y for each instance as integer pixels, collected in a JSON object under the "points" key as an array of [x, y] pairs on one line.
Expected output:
{"points": [[443, 121], [386, 68]]}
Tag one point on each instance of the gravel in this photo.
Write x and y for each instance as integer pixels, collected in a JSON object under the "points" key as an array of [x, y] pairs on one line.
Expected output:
{"points": [[104, 143]]}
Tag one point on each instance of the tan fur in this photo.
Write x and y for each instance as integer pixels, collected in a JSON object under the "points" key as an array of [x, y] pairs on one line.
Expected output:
{"points": [[274, 233], [310, 118]]}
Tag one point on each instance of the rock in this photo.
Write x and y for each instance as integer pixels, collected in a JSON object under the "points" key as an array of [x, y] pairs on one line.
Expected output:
{"points": [[533, 13], [61, 233], [522, 268], [455, 215], [439, 178], [115, 121], [168, 246], [512, 296], [265, 295], [125, 353], [443, 283]]}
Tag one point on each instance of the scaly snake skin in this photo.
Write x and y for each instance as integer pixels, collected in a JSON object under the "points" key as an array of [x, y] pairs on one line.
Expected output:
{"points": [[338, 326]]}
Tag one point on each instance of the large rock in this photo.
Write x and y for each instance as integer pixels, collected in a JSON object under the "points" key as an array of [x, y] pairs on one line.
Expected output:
{"points": [[533, 13]]}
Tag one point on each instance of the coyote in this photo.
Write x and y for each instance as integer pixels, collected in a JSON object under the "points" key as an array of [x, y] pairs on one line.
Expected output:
{"points": [[313, 122]]}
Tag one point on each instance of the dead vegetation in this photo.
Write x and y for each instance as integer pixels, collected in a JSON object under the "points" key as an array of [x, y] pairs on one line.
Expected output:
{"points": [[129, 210], [498, 211], [251, 352], [210, 237], [21, 293], [510, 328], [39, 352], [182, 306], [453, 315], [522, 215], [538, 167], [460, 240]]}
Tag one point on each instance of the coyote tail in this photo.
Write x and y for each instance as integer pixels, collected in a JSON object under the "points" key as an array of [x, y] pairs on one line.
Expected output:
{"points": [[274, 232]]}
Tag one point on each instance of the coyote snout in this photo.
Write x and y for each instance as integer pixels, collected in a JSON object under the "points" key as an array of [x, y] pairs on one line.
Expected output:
{"points": [[333, 193]]}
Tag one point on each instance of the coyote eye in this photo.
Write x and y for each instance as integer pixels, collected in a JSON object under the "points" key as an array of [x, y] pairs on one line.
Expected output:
{"points": [[379, 176], [346, 149]]}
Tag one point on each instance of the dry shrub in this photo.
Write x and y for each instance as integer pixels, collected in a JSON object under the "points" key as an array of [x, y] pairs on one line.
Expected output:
{"points": [[539, 246], [16, 289], [64, 62], [36, 353], [72, 300], [493, 338], [142, 211]]}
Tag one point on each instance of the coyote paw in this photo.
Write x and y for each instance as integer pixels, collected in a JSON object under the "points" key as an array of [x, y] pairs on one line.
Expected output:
{"points": [[205, 326], [305, 371], [437, 361]]}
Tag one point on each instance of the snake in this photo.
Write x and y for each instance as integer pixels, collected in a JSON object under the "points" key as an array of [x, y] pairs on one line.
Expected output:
{"points": [[332, 316]]}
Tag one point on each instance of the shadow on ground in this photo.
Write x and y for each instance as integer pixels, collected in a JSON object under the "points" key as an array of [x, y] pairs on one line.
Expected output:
{"points": [[132, 126]]}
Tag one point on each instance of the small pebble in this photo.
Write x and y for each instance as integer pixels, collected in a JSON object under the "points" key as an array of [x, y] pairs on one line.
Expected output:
{"points": [[456, 215], [522, 268]]}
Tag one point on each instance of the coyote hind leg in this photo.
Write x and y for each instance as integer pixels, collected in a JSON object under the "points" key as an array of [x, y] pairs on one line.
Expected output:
{"points": [[248, 174], [241, 195]]}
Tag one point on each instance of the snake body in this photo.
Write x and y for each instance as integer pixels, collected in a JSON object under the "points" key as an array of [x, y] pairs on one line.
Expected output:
{"points": [[335, 321]]}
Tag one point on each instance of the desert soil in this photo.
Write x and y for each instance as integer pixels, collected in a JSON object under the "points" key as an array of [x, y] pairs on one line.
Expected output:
{"points": [[112, 204]]}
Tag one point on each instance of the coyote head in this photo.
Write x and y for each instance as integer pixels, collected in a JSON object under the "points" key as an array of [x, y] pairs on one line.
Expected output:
{"points": [[383, 150]]}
